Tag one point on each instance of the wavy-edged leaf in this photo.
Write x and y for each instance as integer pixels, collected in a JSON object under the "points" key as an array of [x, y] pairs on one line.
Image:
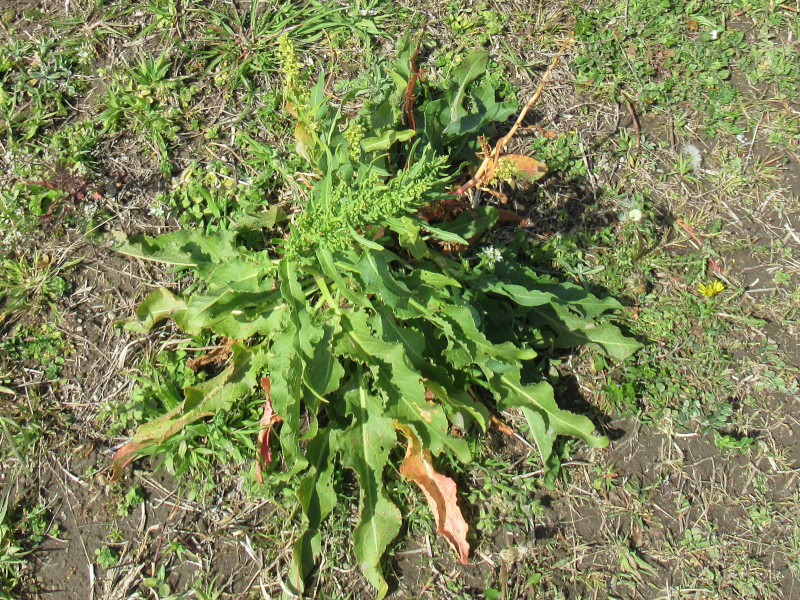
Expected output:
{"points": [[364, 447], [440, 491], [443, 234], [522, 295], [509, 391], [202, 400], [184, 248], [377, 277], [472, 66], [572, 330], [566, 293], [345, 288], [324, 371], [408, 235], [459, 401], [161, 304], [317, 499], [286, 374], [475, 342]]}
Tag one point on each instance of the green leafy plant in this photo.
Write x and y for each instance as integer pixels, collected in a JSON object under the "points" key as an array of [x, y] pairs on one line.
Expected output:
{"points": [[38, 80], [355, 323], [133, 498], [27, 284], [106, 557], [11, 553], [238, 44], [147, 100], [44, 344]]}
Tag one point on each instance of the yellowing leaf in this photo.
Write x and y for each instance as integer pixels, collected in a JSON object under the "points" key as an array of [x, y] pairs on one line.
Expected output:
{"points": [[304, 141], [518, 167], [439, 490]]}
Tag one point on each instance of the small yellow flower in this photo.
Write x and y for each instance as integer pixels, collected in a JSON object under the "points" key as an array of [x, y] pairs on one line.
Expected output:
{"points": [[712, 289]]}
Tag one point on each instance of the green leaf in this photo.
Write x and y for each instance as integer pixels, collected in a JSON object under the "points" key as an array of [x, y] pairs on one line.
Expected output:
{"points": [[468, 225], [159, 305], [572, 330], [375, 273], [345, 288], [408, 231], [387, 139], [539, 397], [365, 447], [324, 371], [473, 65], [522, 295], [286, 375], [476, 342], [443, 234], [317, 499]]}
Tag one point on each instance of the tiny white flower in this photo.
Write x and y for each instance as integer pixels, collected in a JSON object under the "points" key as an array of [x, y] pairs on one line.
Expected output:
{"points": [[157, 211], [714, 34], [492, 254], [635, 215]]}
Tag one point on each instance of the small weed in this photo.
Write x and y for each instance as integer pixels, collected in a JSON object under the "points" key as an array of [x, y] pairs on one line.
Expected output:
{"points": [[39, 78], [480, 25], [106, 557], [27, 285], [21, 531], [43, 345], [147, 100], [734, 443], [12, 556], [133, 498]]}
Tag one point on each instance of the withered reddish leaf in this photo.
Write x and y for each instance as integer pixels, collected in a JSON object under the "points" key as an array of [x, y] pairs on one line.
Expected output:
{"points": [[268, 419], [439, 490], [526, 168], [123, 457]]}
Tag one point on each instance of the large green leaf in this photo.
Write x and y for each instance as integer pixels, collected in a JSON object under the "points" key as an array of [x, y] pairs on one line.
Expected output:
{"points": [[510, 392], [203, 400], [365, 447], [317, 499], [470, 224], [573, 330], [471, 67], [387, 139]]}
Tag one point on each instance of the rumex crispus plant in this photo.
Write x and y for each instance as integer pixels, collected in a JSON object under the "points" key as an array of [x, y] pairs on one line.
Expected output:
{"points": [[357, 326]]}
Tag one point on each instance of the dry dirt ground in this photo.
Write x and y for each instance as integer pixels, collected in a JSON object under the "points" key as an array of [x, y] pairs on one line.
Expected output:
{"points": [[664, 512]]}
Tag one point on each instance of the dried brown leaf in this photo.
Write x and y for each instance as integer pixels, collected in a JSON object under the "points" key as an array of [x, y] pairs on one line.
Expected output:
{"points": [[439, 490], [268, 419]]}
